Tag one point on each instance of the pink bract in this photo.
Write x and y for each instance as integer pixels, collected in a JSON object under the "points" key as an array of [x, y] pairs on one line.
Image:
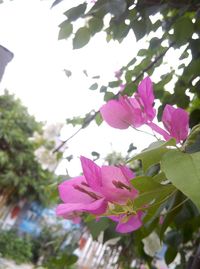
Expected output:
{"points": [[95, 189], [146, 98], [176, 122], [131, 111], [133, 223]]}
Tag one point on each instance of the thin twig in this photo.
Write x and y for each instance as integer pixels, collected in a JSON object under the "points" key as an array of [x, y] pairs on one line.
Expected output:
{"points": [[85, 124], [64, 142]]}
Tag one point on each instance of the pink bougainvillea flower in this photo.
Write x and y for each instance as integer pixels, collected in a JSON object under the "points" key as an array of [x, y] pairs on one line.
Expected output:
{"points": [[122, 113], [133, 223], [131, 111], [79, 197], [176, 122], [145, 97], [95, 189]]}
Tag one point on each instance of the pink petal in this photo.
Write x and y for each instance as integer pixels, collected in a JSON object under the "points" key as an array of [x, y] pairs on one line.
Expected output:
{"points": [[176, 121], [69, 194], [76, 220], [133, 108], [116, 115], [92, 173], [145, 90], [118, 74], [146, 97], [167, 116], [180, 124], [131, 225], [159, 130], [122, 87], [95, 207], [111, 174], [128, 173]]}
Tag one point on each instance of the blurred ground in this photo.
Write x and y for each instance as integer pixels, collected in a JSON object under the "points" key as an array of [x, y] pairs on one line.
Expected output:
{"points": [[6, 264]]}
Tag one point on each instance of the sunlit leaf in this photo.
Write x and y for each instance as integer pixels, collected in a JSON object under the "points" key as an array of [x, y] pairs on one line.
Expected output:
{"points": [[153, 154]]}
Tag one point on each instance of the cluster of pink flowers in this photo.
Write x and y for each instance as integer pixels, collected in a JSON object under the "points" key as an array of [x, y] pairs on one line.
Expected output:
{"points": [[138, 110], [100, 187]]}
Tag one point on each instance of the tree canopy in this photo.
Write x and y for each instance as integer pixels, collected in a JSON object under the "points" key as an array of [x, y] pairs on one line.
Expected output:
{"points": [[21, 174]]}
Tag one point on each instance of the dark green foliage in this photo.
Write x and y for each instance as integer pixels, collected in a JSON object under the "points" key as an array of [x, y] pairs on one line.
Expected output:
{"points": [[16, 248], [20, 172]]}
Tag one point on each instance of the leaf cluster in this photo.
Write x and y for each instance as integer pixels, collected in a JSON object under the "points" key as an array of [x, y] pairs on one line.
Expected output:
{"points": [[161, 25]]}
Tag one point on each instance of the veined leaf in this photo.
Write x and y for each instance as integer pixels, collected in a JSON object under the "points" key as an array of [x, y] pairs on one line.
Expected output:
{"points": [[153, 154], [144, 184], [154, 196], [183, 170]]}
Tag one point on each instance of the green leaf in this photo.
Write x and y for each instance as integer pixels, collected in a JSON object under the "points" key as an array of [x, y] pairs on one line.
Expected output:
{"points": [[75, 12], [183, 170], [103, 89], [131, 148], [143, 183], [95, 25], [98, 119], [183, 29], [66, 29], [96, 227], [81, 38], [153, 154], [95, 154], [132, 62], [93, 86], [142, 52], [116, 7], [139, 28], [153, 196], [154, 43], [159, 177], [108, 96], [114, 84], [170, 255]]}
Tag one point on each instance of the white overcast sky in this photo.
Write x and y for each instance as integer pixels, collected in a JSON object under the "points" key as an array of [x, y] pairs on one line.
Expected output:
{"points": [[29, 28]]}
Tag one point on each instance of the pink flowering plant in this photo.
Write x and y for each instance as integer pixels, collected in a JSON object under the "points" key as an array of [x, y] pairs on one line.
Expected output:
{"points": [[169, 174], [116, 192]]}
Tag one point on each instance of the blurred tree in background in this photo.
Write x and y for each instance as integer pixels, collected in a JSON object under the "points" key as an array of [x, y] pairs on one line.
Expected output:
{"points": [[22, 176]]}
